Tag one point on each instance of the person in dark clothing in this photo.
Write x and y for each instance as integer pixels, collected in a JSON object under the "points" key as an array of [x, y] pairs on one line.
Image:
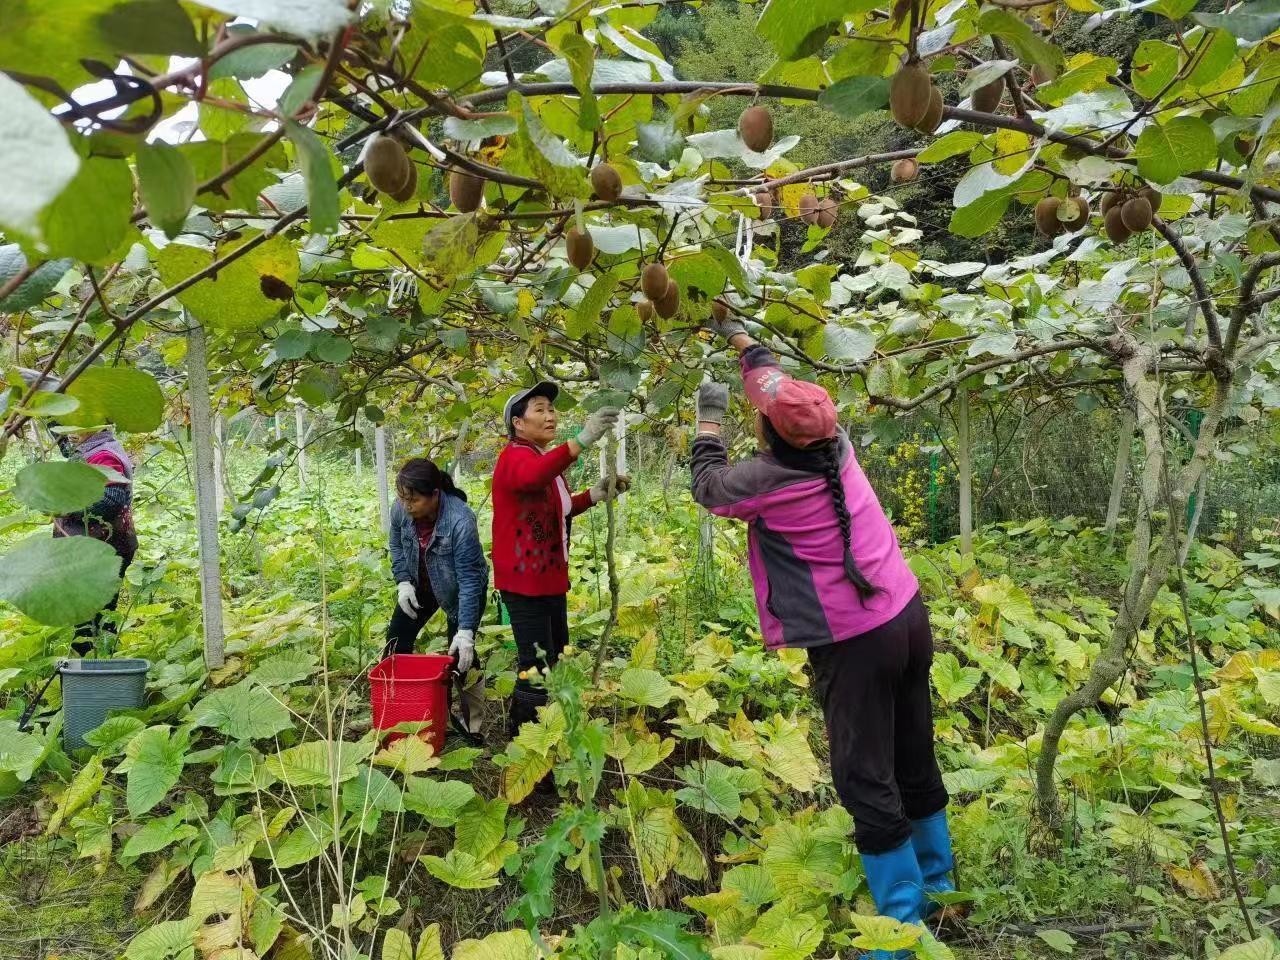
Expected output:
{"points": [[830, 578], [437, 561], [532, 507]]}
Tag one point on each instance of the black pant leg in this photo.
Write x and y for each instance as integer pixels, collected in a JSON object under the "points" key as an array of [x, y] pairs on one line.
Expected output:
{"points": [[531, 626], [558, 627], [915, 763], [857, 680], [403, 630]]}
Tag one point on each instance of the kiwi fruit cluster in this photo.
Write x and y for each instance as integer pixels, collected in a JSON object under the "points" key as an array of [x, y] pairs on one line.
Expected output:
{"points": [[389, 168], [580, 248], [1125, 213], [465, 191], [904, 170], [986, 99], [1055, 215], [662, 295], [606, 182], [820, 213], [913, 99], [767, 201], [755, 127]]}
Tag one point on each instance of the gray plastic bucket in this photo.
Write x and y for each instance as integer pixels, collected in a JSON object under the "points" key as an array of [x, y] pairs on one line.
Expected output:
{"points": [[93, 688]]}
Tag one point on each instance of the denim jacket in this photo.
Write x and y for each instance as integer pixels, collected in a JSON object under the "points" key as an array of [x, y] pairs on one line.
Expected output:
{"points": [[455, 560]]}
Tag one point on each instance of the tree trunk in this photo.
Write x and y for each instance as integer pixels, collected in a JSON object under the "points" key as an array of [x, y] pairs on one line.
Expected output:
{"points": [[964, 469], [206, 493], [380, 466], [1194, 525], [1124, 448], [300, 441], [1147, 569], [220, 486], [359, 463]]}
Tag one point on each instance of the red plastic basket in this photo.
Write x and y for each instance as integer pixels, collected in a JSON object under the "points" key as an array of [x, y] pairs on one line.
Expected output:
{"points": [[412, 687]]}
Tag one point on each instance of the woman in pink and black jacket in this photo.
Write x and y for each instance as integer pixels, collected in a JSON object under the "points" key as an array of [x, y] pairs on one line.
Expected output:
{"points": [[830, 579]]}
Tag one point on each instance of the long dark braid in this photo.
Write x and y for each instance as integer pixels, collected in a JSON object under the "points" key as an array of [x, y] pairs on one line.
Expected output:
{"points": [[824, 458]]}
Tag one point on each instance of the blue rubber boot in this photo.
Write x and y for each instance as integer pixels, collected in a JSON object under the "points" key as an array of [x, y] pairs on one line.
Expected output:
{"points": [[897, 887], [932, 843]]}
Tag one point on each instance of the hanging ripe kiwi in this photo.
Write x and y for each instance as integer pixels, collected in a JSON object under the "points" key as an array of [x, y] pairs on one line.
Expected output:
{"points": [[719, 310], [1046, 215], [764, 199], [933, 116], [1040, 75], [1153, 197], [986, 99], [1109, 200], [826, 213], [654, 281], [809, 208], [755, 127], [386, 164], [580, 248], [910, 93], [668, 305], [606, 182], [644, 310], [1113, 222], [904, 170], [1077, 219], [465, 190], [1136, 214]]}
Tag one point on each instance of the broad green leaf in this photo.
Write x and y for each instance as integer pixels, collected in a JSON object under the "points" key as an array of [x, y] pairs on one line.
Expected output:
{"points": [[245, 711], [371, 790], [89, 220], [952, 681], [19, 752], [114, 735], [454, 53], [523, 772], [48, 404], [300, 18], [429, 946], [167, 185], [245, 293], [128, 398], [284, 669], [703, 272], [981, 215], [1026, 43], [790, 758], [798, 28], [950, 145], [461, 870], [59, 582], [1155, 63], [1166, 151], [155, 759], [36, 287], [210, 157], [164, 941], [506, 945], [1058, 940], [855, 96], [150, 26], [646, 687], [396, 945], [1252, 21], [302, 844], [1259, 949], [407, 755], [711, 789], [82, 789], [59, 487], [251, 62], [1084, 72], [847, 344], [318, 762], [664, 929], [158, 834], [885, 933], [440, 802], [322, 186], [580, 56], [36, 160], [551, 162], [586, 319], [481, 827], [798, 857]]}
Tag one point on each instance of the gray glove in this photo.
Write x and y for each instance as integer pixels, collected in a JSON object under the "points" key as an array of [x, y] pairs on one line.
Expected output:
{"points": [[600, 492], [713, 402], [727, 328], [597, 425]]}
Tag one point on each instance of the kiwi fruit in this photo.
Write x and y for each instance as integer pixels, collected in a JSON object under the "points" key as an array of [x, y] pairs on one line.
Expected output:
{"points": [[986, 99], [465, 191], [1153, 197], [910, 93], [606, 182], [719, 310], [755, 126], [826, 213], [668, 305], [580, 247], [1244, 146], [1117, 232], [904, 170], [654, 281], [1040, 75], [409, 187], [765, 201], [1081, 206], [1136, 214], [933, 116], [386, 164], [809, 208], [644, 310], [1046, 215], [1109, 200]]}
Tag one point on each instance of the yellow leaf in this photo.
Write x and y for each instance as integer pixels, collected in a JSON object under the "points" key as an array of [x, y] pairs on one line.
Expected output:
{"points": [[523, 773], [1196, 882]]}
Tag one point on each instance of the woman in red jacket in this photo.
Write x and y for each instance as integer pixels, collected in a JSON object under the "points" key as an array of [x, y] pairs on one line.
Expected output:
{"points": [[532, 507]]}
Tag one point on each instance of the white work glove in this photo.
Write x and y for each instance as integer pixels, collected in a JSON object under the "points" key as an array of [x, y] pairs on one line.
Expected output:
{"points": [[407, 599], [464, 648], [600, 491], [597, 425]]}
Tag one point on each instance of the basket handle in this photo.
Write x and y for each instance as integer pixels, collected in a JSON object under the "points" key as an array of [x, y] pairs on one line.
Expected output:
{"points": [[24, 722]]}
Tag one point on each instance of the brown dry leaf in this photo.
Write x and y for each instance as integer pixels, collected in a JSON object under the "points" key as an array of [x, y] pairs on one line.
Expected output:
{"points": [[1198, 882]]}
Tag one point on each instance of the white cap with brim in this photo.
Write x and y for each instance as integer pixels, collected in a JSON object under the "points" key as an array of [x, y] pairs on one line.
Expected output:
{"points": [[544, 388]]}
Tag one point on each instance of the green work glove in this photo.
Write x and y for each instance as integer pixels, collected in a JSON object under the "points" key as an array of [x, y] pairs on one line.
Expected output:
{"points": [[713, 402], [597, 425]]}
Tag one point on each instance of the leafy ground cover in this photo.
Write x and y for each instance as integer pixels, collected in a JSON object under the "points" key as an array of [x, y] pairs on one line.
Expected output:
{"points": [[252, 810]]}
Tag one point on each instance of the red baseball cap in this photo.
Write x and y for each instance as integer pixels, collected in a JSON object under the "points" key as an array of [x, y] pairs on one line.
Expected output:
{"points": [[801, 412]]}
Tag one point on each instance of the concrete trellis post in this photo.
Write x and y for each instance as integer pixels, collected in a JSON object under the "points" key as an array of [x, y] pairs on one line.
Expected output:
{"points": [[380, 465], [206, 493]]}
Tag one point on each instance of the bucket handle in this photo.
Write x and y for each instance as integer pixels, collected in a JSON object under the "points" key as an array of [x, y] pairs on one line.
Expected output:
{"points": [[24, 722]]}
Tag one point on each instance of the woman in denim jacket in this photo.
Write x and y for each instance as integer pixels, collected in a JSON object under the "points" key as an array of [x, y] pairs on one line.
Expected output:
{"points": [[437, 561]]}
